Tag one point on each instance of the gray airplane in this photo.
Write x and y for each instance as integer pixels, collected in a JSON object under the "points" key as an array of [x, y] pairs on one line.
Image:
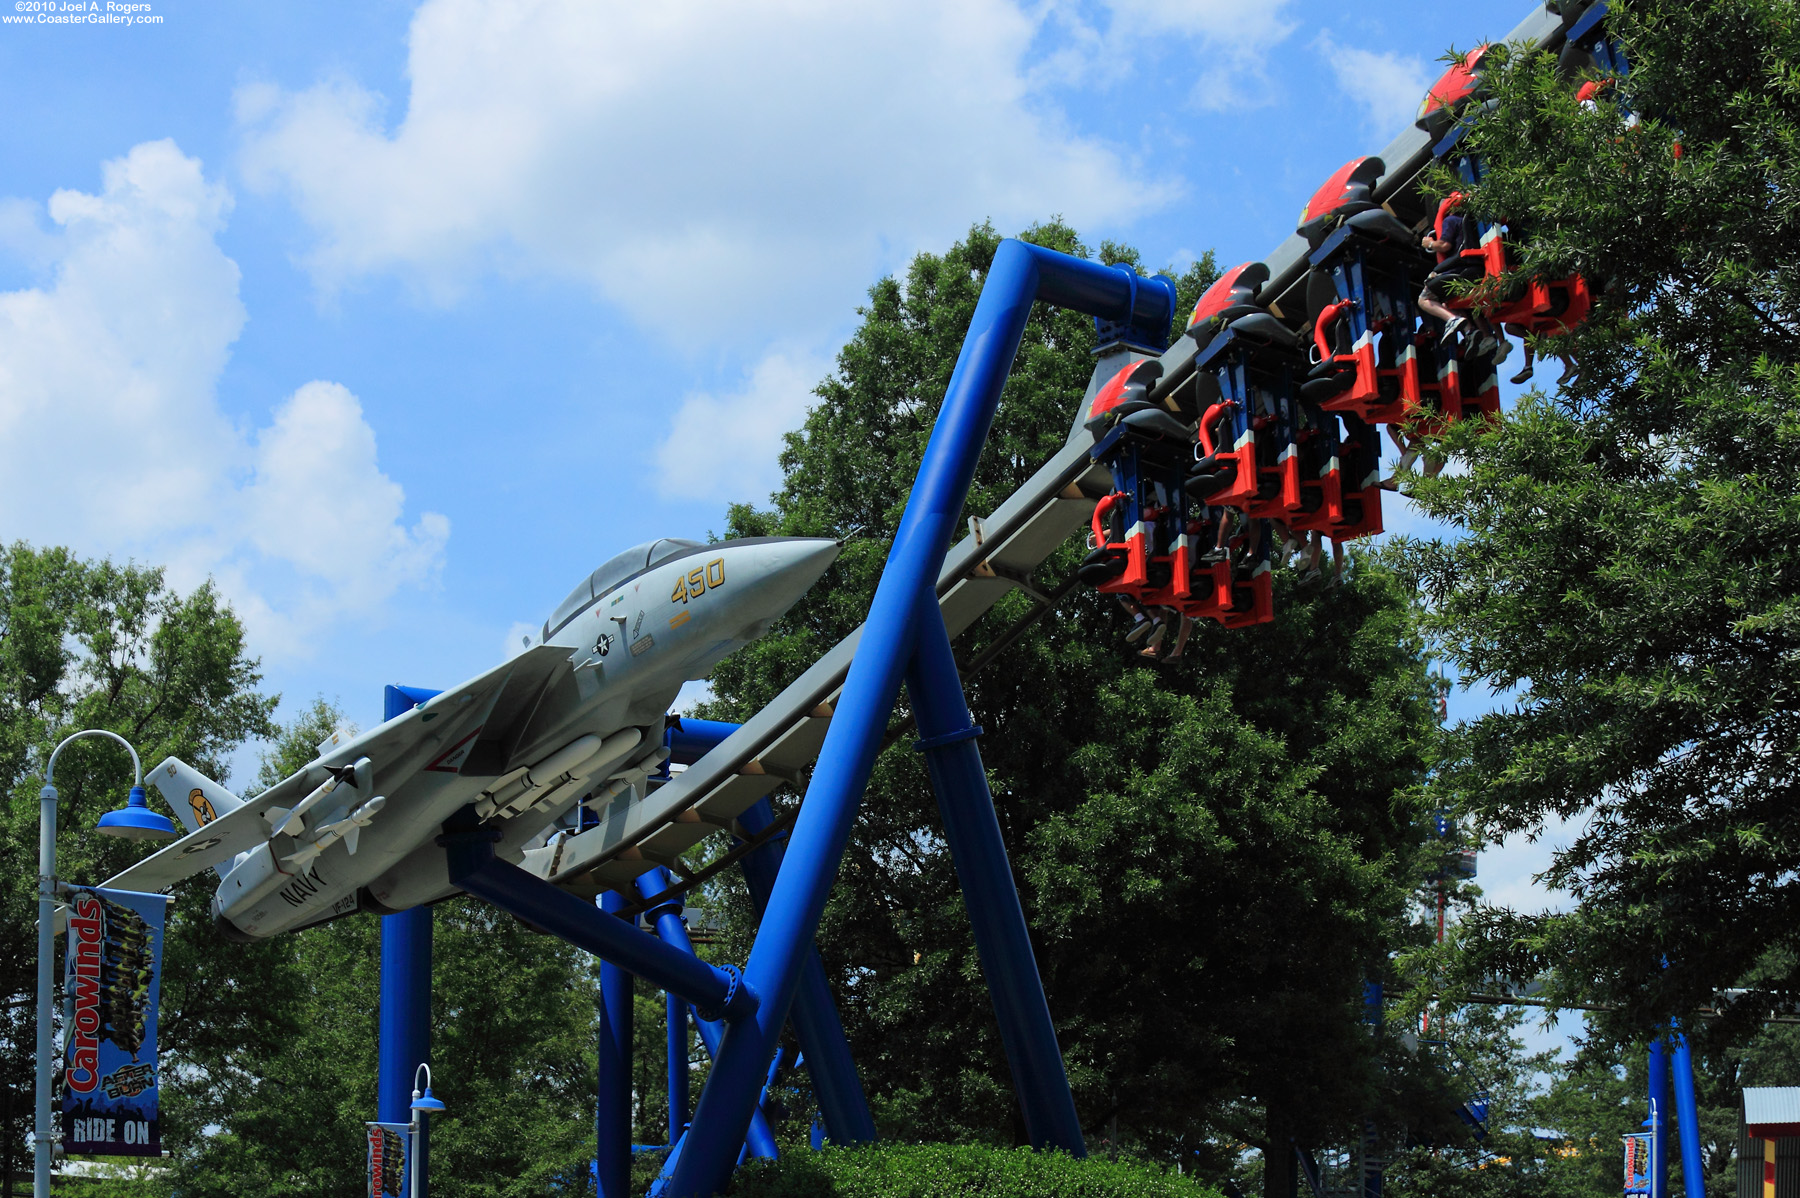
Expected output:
{"points": [[574, 721]]}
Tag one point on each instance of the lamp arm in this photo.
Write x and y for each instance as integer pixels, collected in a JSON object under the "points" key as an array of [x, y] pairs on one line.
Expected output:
{"points": [[137, 768]]}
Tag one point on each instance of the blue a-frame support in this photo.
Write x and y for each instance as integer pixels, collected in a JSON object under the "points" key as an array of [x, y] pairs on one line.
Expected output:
{"points": [[904, 637]]}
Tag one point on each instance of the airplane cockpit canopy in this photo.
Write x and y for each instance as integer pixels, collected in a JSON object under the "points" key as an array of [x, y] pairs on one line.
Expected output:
{"points": [[661, 551], [619, 568]]}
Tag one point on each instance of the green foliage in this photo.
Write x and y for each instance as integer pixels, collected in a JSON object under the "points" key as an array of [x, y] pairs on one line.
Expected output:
{"points": [[1212, 857], [1630, 551], [950, 1171], [98, 645]]}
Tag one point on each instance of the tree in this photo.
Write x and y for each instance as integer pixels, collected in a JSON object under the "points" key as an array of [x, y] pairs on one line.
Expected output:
{"points": [[97, 645], [1213, 858], [1626, 566]]}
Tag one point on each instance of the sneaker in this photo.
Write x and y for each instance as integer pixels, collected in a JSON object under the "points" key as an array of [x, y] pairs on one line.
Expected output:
{"points": [[1156, 639], [1452, 327], [1522, 376], [1215, 555], [1311, 577], [1139, 631], [1502, 350]]}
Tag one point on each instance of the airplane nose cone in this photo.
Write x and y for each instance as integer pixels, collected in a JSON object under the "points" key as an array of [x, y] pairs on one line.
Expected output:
{"points": [[792, 565], [777, 571]]}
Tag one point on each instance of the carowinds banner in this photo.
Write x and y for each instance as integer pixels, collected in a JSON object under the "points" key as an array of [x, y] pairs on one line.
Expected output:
{"points": [[1637, 1164], [389, 1144], [112, 981]]}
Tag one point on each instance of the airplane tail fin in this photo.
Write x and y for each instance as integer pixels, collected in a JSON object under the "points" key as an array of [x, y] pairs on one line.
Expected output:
{"points": [[197, 799]]}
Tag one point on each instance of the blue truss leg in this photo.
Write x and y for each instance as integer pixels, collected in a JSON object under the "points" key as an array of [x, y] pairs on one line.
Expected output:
{"points": [[1687, 1118], [405, 1037], [714, 991], [947, 738], [1020, 274], [678, 1066], [612, 1106], [822, 1045], [666, 917], [1659, 1120]]}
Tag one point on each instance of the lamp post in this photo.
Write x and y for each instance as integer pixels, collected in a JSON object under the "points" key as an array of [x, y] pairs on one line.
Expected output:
{"points": [[134, 821], [424, 1105]]}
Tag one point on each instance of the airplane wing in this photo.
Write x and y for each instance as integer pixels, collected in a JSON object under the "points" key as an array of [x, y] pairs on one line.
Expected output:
{"points": [[399, 747], [221, 840]]}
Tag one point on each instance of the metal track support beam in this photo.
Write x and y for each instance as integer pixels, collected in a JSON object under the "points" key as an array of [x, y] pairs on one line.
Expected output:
{"points": [[1019, 275], [715, 992], [1687, 1117], [823, 1048], [404, 1038], [612, 1100], [677, 1049], [666, 918], [972, 829]]}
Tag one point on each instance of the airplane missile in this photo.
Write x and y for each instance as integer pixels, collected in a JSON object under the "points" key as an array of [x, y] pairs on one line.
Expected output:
{"points": [[358, 775], [347, 830]]}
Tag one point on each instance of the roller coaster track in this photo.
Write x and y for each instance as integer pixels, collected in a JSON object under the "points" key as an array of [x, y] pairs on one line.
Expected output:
{"points": [[1004, 549]]}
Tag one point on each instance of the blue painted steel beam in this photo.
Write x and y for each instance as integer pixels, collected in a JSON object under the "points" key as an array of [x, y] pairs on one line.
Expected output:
{"points": [[823, 1049], [677, 1049], [666, 918], [1002, 941], [1659, 1120], [690, 739], [404, 1038], [405, 1026], [715, 992], [1687, 1119], [612, 1105], [1020, 274]]}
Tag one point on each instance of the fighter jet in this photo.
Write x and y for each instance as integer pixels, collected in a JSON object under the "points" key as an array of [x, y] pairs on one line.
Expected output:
{"points": [[574, 720]]}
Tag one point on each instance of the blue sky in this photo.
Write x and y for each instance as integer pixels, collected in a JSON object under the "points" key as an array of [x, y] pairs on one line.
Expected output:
{"points": [[396, 319]]}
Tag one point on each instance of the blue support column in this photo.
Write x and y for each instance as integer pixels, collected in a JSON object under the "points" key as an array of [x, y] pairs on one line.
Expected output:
{"points": [[971, 828], [677, 1047], [1020, 274], [823, 1049], [714, 991], [405, 1035], [612, 1106], [1659, 1120], [405, 1026], [667, 919], [1687, 1118]]}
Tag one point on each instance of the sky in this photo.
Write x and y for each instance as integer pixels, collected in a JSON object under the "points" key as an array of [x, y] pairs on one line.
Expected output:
{"points": [[397, 319]]}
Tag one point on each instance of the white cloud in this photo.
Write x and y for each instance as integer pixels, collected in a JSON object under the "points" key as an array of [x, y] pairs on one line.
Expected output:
{"points": [[725, 446], [1228, 42], [749, 161], [116, 441], [1388, 87]]}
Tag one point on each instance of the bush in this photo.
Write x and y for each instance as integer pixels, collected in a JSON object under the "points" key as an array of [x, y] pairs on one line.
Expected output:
{"points": [[957, 1171]]}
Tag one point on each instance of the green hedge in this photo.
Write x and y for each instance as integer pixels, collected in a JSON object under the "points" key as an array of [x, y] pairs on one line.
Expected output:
{"points": [[956, 1171]]}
